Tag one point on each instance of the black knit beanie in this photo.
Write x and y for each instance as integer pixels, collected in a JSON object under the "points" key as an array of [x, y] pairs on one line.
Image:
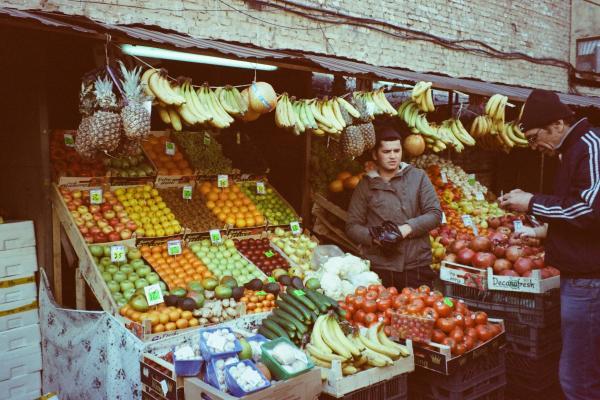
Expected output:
{"points": [[542, 108], [387, 133]]}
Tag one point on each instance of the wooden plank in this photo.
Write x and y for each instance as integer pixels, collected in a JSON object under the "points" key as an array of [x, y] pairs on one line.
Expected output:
{"points": [[68, 249], [79, 290], [306, 189], [329, 206], [56, 256]]}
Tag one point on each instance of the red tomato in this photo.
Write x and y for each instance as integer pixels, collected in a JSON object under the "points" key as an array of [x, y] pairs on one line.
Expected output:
{"points": [[372, 295], [469, 342], [349, 316], [370, 318], [407, 291], [359, 302], [445, 324], [461, 307], [370, 306], [393, 290], [496, 329], [389, 313], [350, 299], [359, 316], [375, 287], [360, 291], [430, 312], [430, 300], [457, 334], [469, 320], [484, 333], [424, 289], [442, 308], [350, 308], [450, 343], [386, 321], [438, 336], [385, 294], [472, 332], [481, 318], [399, 301], [415, 307], [460, 349], [384, 304], [459, 319]]}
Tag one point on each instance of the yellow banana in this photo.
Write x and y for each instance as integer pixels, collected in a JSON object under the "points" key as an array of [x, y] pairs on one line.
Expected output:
{"points": [[144, 81], [387, 342], [155, 86], [511, 133], [328, 357], [419, 89], [429, 100], [177, 99], [175, 120], [316, 338], [327, 112], [185, 111], [377, 359], [335, 106], [504, 136], [320, 363], [349, 370], [337, 331], [281, 119], [331, 340], [164, 114], [348, 107]]}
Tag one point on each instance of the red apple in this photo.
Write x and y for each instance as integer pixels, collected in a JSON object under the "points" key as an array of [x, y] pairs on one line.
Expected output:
{"points": [[79, 222], [126, 234], [132, 226], [113, 201], [77, 202], [509, 272], [102, 223], [122, 214], [465, 256], [94, 230], [100, 238], [105, 207], [113, 221], [109, 214], [107, 229], [76, 194], [118, 208], [84, 230], [95, 208], [97, 217], [71, 207], [124, 220], [89, 238], [483, 260], [538, 263], [553, 271], [113, 237], [90, 224], [119, 227], [457, 246], [480, 243], [82, 210]]}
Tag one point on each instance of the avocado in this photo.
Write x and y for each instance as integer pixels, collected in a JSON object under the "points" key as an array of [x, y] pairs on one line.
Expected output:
{"points": [[171, 300], [237, 293], [195, 286], [187, 304], [313, 284], [285, 280], [272, 288], [229, 281], [255, 284], [297, 283]]}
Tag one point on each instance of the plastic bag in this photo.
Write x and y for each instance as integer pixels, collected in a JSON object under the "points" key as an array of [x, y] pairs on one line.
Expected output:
{"points": [[323, 252]]}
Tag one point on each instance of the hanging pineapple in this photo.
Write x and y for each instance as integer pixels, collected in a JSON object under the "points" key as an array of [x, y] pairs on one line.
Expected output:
{"points": [[352, 142], [129, 147], [105, 124], [135, 117], [83, 140]]}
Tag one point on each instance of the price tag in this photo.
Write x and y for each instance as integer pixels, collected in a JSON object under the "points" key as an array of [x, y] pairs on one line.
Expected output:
{"points": [[444, 177], [174, 247], [153, 294], [148, 106], [206, 138], [260, 187], [170, 148], [444, 220], [261, 293], [187, 192], [223, 181], [518, 225], [471, 179], [69, 141], [215, 236], [271, 279], [467, 220], [448, 302], [298, 292], [269, 253], [96, 196], [117, 254], [295, 227], [164, 387], [479, 196]]}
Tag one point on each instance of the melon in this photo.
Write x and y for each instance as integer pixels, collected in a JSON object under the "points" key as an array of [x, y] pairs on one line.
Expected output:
{"points": [[336, 186], [262, 96], [414, 145]]}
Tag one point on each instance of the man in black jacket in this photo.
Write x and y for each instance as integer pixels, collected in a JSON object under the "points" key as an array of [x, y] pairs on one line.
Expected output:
{"points": [[572, 231]]}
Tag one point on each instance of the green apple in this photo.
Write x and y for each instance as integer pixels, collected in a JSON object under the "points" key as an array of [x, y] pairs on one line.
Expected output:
{"points": [[126, 268], [129, 291], [126, 285], [107, 276], [143, 271], [134, 254], [137, 263], [141, 283], [111, 269], [106, 251], [117, 295], [113, 286], [105, 261], [97, 251], [152, 278], [119, 276]]}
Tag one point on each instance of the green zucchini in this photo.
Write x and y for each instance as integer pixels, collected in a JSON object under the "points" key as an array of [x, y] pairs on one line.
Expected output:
{"points": [[278, 330], [266, 332], [305, 300], [300, 327], [322, 306], [290, 309], [291, 300], [284, 323]]}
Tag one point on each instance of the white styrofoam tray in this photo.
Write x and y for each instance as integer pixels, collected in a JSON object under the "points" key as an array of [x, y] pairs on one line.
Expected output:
{"points": [[17, 288], [21, 261], [18, 314], [14, 235]]}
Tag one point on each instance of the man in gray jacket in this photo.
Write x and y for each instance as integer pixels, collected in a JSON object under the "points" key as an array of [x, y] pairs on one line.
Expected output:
{"points": [[399, 193]]}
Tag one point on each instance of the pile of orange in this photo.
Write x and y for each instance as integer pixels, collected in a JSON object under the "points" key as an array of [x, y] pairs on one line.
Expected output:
{"points": [[257, 302], [166, 164], [162, 318], [231, 205], [178, 270]]}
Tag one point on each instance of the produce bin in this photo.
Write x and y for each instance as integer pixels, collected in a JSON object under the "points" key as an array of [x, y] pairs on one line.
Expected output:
{"points": [[392, 389], [232, 384], [207, 354], [187, 367], [276, 369]]}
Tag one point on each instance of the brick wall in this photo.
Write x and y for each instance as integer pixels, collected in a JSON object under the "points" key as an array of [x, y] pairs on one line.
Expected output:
{"points": [[540, 28]]}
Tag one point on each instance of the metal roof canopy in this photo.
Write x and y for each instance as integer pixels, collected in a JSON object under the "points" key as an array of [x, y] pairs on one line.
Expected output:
{"points": [[288, 59]]}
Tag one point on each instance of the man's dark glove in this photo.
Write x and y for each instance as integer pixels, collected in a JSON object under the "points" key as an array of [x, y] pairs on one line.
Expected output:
{"points": [[387, 236]]}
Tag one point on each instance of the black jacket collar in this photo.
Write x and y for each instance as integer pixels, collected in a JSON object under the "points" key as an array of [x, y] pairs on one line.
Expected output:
{"points": [[579, 129]]}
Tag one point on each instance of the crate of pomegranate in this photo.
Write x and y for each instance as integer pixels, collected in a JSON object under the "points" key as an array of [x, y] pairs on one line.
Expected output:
{"points": [[504, 259]]}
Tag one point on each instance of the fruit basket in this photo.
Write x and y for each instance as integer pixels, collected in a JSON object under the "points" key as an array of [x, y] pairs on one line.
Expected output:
{"points": [[193, 213], [277, 211]]}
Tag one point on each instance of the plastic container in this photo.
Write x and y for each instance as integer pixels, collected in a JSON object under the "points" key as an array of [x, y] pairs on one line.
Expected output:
{"points": [[404, 324], [207, 353], [210, 375], [278, 371], [232, 384], [260, 339], [187, 367]]}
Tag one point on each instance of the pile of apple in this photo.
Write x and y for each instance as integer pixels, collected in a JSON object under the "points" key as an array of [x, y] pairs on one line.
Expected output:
{"points": [[124, 278], [503, 250], [224, 260], [260, 252], [99, 223], [298, 248]]}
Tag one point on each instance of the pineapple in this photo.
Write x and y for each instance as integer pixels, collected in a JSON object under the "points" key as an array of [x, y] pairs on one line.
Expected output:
{"points": [[135, 117], [105, 124], [83, 140], [129, 147], [368, 132], [352, 142]]}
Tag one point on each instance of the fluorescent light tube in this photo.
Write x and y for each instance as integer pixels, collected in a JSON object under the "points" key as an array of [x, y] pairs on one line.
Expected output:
{"points": [[154, 52]]}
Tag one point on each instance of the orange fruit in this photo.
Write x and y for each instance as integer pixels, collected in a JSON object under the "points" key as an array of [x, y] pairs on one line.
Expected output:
{"points": [[240, 223], [210, 205], [182, 323], [174, 316], [250, 222], [170, 326], [158, 328], [213, 196], [194, 322]]}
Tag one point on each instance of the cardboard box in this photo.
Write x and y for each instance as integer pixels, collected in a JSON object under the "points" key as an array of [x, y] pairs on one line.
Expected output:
{"points": [[17, 288], [25, 387], [23, 361], [15, 235], [22, 261], [306, 386], [533, 284], [159, 379], [14, 339], [338, 385], [18, 314], [463, 275]]}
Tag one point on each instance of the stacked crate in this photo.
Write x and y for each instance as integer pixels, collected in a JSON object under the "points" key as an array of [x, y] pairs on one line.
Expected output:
{"points": [[533, 341], [20, 368]]}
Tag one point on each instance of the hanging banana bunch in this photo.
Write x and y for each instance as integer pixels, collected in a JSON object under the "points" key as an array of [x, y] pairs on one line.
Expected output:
{"points": [[422, 95]]}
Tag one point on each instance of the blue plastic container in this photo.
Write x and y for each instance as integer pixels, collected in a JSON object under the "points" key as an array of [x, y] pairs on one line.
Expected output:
{"points": [[210, 375], [187, 367], [233, 386], [207, 353]]}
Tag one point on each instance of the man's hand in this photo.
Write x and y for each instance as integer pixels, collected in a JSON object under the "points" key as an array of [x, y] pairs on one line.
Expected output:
{"points": [[516, 200], [405, 230]]}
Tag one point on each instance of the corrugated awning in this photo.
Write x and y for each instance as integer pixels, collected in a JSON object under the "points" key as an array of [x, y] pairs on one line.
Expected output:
{"points": [[156, 35]]}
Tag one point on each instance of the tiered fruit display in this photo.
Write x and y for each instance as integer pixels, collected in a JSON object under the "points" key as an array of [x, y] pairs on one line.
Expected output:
{"points": [[99, 223], [223, 260], [204, 152], [503, 250], [259, 297], [192, 214], [163, 318], [133, 166], [124, 279], [270, 204], [260, 252], [148, 210], [231, 205], [454, 174], [178, 270], [67, 162], [166, 164], [298, 248]]}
